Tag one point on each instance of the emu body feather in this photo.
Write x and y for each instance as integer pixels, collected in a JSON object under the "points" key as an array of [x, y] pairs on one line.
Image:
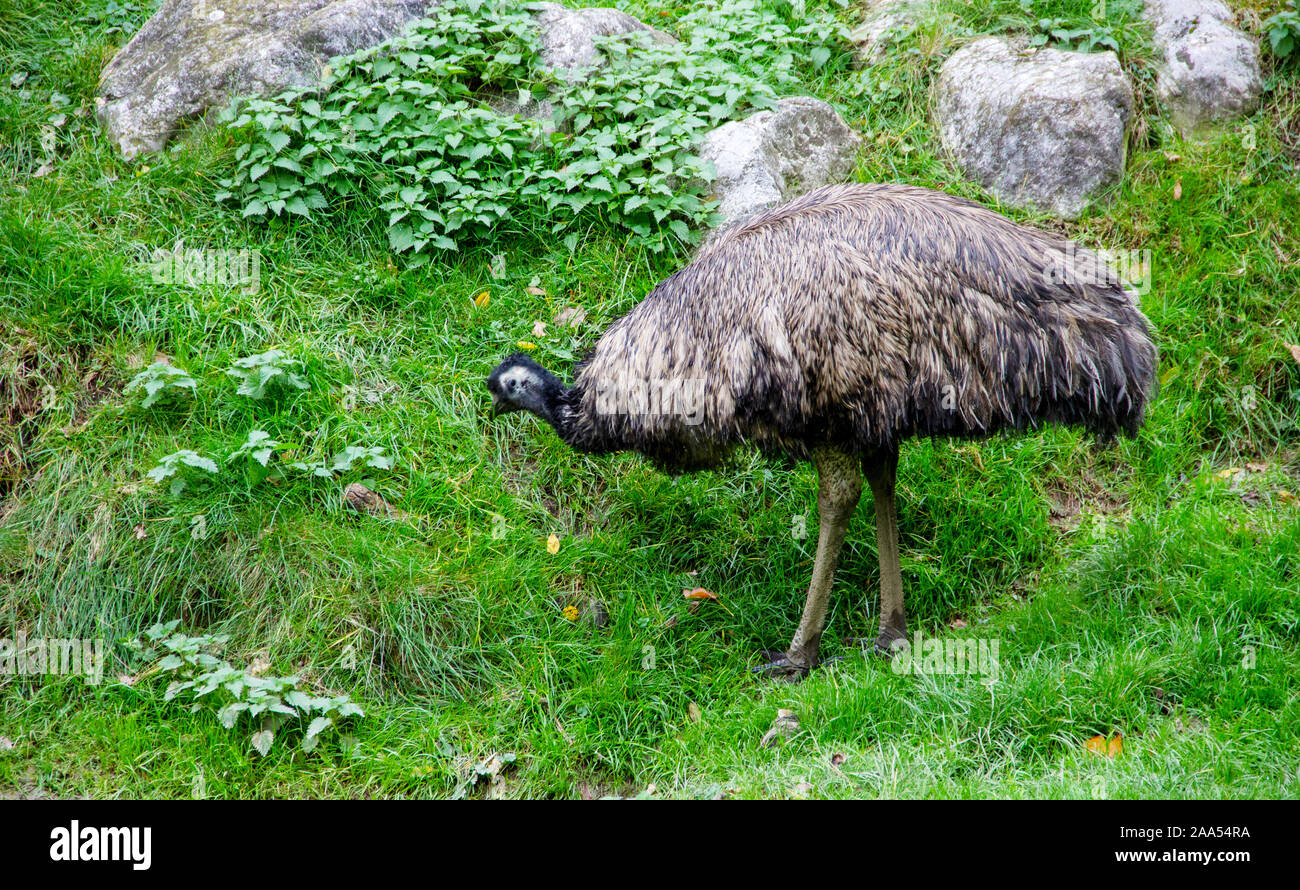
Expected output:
{"points": [[860, 315]]}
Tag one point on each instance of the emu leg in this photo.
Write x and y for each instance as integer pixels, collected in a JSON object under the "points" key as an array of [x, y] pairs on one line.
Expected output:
{"points": [[840, 485], [880, 469]]}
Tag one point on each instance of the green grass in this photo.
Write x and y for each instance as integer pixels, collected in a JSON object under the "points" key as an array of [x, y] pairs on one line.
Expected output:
{"points": [[1136, 590]]}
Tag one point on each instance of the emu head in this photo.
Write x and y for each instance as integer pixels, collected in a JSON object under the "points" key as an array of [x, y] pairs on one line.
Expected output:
{"points": [[520, 384]]}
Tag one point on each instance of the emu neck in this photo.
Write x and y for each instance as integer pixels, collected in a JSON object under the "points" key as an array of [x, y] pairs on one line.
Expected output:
{"points": [[554, 408]]}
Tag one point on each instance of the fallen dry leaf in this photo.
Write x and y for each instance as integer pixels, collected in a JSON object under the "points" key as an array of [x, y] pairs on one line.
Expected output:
{"points": [[1229, 472], [539, 329], [698, 593], [141, 533], [536, 291], [1285, 496], [482, 300], [553, 544], [837, 760], [957, 623], [1294, 349], [570, 316], [693, 712], [1100, 746], [1178, 189]]}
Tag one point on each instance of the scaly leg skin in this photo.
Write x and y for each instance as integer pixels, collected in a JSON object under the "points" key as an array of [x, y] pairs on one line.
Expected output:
{"points": [[880, 469], [840, 486]]}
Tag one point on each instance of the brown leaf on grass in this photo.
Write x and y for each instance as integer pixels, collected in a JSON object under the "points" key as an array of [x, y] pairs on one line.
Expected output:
{"points": [[536, 291], [698, 593], [570, 316], [693, 712], [837, 760], [482, 300], [1178, 189], [539, 329], [957, 623], [141, 532]]}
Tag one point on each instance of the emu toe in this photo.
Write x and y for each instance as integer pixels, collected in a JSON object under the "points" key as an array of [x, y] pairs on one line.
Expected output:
{"points": [[883, 645], [779, 666]]}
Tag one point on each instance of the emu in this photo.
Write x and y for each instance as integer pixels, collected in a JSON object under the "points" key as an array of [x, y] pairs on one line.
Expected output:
{"points": [[837, 325]]}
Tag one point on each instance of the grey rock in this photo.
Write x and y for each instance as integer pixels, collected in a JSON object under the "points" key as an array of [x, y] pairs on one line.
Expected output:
{"points": [[1044, 129], [568, 35], [1209, 70], [774, 155], [196, 54], [882, 20], [568, 38]]}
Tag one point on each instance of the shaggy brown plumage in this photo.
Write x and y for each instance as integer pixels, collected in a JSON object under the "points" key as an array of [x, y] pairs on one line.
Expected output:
{"points": [[846, 321]]}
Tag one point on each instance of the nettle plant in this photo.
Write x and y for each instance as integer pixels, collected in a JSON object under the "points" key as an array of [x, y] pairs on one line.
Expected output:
{"points": [[258, 374], [269, 703], [371, 456], [1283, 30], [425, 126], [159, 379], [173, 466]]}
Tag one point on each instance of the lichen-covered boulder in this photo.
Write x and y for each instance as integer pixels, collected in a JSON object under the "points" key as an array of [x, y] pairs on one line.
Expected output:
{"points": [[1209, 70], [1044, 129], [881, 22], [569, 35], [195, 54], [774, 155]]}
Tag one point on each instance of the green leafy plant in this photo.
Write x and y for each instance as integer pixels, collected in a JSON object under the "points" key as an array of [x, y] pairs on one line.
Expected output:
{"points": [[172, 467], [372, 456], [259, 446], [268, 702], [1283, 31], [430, 128], [1088, 39], [258, 373], [159, 379]]}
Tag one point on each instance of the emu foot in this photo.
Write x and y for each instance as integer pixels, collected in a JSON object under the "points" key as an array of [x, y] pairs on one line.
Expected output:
{"points": [[883, 645], [780, 666]]}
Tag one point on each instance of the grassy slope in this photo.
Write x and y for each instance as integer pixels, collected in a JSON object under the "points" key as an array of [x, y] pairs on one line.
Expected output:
{"points": [[1123, 585]]}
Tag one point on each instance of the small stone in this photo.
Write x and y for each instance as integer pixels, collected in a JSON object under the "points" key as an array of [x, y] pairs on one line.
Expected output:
{"points": [[362, 499], [785, 725]]}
